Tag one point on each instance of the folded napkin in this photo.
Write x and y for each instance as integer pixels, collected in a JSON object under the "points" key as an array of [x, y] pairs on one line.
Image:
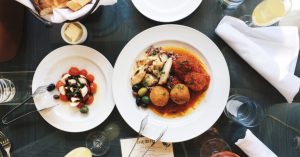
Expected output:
{"points": [[253, 147], [271, 51], [64, 14]]}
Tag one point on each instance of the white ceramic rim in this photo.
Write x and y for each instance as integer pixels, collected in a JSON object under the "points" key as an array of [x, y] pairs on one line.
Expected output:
{"points": [[206, 113], [169, 14], [104, 106], [81, 40]]}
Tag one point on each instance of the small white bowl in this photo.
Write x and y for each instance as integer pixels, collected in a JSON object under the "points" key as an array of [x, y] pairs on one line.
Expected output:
{"points": [[81, 40]]}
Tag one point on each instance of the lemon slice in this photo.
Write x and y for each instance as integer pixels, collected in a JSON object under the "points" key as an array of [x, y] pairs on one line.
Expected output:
{"points": [[79, 152], [268, 12]]}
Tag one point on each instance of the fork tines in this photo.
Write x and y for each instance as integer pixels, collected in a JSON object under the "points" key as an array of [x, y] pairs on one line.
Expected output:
{"points": [[3, 139]]}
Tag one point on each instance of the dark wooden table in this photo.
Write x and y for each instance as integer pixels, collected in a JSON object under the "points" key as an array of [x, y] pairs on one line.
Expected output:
{"points": [[110, 28]]}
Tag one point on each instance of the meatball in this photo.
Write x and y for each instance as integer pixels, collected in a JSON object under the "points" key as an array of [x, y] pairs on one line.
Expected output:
{"points": [[181, 66], [197, 81], [184, 64], [159, 96], [180, 94]]}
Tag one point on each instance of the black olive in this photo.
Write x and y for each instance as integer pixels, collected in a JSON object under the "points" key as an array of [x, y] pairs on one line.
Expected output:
{"points": [[56, 96], [136, 87], [50, 87], [139, 101]]}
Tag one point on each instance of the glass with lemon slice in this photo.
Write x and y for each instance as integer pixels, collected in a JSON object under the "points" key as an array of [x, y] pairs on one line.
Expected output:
{"points": [[269, 12]]}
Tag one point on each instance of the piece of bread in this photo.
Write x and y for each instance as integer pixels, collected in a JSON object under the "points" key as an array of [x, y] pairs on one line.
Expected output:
{"points": [[77, 4], [45, 7]]}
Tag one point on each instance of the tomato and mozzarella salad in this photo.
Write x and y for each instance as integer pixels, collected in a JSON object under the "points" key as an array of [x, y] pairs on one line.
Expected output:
{"points": [[77, 87]]}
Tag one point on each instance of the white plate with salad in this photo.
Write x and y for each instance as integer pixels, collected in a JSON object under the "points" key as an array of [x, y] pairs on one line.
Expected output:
{"points": [[83, 92]]}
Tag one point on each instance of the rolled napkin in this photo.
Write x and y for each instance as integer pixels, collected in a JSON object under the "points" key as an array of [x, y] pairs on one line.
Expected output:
{"points": [[64, 14], [253, 147], [271, 51]]}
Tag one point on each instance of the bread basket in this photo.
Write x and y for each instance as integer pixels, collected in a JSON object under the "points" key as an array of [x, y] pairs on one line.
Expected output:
{"points": [[49, 23]]}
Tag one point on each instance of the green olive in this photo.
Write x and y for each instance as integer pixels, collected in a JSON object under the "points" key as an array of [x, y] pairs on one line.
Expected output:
{"points": [[143, 91], [84, 109], [146, 100]]}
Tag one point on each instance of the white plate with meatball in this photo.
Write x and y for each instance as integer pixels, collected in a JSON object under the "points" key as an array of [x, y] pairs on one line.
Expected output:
{"points": [[152, 76], [56, 65]]}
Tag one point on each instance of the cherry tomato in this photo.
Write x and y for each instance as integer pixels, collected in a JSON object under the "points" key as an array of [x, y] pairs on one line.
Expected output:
{"points": [[74, 71], [90, 77], [93, 87], [83, 72], [80, 105], [85, 98], [63, 97], [58, 84], [90, 100]]}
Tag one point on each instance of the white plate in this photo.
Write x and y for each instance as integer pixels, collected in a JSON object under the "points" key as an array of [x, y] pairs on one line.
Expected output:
{"points": [[166, 10], [206, 113], [58, 62]]}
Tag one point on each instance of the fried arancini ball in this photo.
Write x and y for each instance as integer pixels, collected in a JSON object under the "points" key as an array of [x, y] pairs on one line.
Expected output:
{"points": [[180, 94], [197, 81], [159, 96]]}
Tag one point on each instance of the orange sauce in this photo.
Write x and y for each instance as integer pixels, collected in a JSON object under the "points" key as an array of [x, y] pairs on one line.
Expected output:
{"points": [[172, 110]]}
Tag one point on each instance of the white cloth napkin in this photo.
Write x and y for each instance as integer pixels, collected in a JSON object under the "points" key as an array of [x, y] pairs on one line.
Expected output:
{"points": [[271, 51], [64, 14], [253, 147]]}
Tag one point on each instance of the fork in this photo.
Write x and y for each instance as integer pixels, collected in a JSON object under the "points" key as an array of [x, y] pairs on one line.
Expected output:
{"points": [[142, 127], [39, 90], [154, 142], [4, 141]]}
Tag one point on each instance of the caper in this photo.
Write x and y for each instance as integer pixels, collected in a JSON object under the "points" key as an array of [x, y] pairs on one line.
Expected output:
{"points": [[56, 96], [143, 91], [146, 100], [84, 109]]}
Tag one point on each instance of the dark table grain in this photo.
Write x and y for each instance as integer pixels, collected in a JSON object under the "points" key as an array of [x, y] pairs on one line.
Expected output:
{"points": [[110, 28]]}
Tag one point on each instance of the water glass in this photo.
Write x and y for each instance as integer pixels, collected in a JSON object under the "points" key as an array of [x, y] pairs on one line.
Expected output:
{"points": [[231, 4], [213, 146], [244, 111], [7, 90]]}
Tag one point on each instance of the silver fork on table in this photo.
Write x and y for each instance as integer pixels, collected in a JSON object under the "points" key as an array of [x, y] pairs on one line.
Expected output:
{"points": [[154, 142], [39, 90], [4, 141]]}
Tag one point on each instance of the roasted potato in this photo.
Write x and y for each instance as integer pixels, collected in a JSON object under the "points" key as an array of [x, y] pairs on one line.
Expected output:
{"points": [[159, 96], [180, 94]]}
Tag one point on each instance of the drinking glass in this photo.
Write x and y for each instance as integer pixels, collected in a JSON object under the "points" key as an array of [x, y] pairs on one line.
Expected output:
{"points": [[214, 146], [99, 141], [231, 4], [7, 90], [267, 13], [244, 111]]}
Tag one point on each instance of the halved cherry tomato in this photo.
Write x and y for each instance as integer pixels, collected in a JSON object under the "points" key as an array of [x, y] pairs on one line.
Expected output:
{"points": [[93, 87], [90, 100], [63, 97], [83, 72], [58, 84], [79, 105], [90, 77], [74, 71]]}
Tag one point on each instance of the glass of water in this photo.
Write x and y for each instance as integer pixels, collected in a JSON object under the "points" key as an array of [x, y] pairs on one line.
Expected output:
{"points": [[99, 141], [231, 4], [244, 111], [7, 90]]}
